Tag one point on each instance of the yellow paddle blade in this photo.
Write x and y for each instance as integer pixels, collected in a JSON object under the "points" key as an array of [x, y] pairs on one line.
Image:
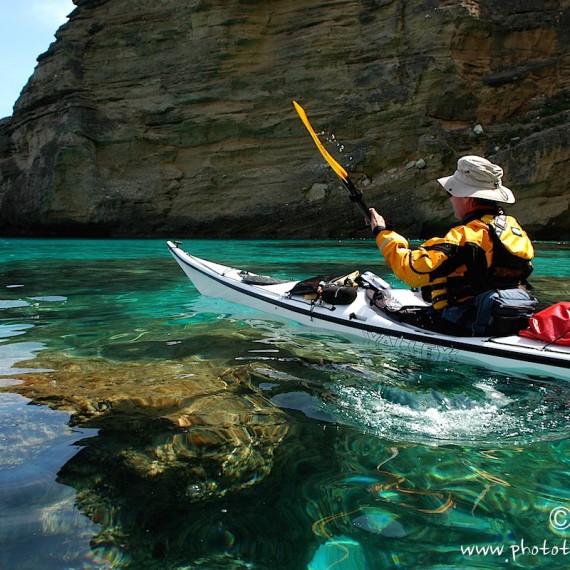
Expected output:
{"points": [[333, 163]]}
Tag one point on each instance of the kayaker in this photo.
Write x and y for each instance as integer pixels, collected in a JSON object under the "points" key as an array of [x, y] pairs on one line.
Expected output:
{"points": [[479, 265]]}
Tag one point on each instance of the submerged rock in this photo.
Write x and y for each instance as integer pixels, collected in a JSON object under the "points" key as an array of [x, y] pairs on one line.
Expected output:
{"points": [[195, 434]]}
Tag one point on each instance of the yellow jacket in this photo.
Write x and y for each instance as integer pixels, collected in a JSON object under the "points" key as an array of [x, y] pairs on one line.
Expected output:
{"points": [[469, 259]]}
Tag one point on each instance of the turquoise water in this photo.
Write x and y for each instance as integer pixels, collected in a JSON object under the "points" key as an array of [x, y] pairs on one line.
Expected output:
{"points": [[145, 426]]}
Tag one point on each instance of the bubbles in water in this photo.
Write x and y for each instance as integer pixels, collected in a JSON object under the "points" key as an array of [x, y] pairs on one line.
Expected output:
{"points": [[497, 409]]}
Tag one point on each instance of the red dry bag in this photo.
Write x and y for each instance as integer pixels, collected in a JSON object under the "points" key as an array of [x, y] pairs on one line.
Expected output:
{"points": [[550, 325]]}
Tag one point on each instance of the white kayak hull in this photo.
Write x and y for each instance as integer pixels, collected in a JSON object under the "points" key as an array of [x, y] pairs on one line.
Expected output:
{"points": [[512, 355]]}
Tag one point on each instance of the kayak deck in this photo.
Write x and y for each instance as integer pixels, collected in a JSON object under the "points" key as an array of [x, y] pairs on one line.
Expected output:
{"points": [[511, 354]]}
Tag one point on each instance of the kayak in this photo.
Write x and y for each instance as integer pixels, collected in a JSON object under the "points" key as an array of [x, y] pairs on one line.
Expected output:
{"points": [[361, 318]]}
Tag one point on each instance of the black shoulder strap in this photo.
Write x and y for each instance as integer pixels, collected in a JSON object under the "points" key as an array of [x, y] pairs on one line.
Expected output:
{"points": [[468, 254]]}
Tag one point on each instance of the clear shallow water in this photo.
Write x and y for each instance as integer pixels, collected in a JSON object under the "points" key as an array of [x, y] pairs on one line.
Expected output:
{"points": [[145, 426]]}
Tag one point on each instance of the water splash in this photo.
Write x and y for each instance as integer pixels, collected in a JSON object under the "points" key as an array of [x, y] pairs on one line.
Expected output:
{"points": [[497, 409], [416, 401]]}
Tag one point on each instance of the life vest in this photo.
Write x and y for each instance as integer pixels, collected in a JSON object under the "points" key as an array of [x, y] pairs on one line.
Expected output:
{"points": [[512, 252], [499, 258]]}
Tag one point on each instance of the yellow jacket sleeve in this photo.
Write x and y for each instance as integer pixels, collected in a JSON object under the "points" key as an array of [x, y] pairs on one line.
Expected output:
{"points": [[413, 266]]}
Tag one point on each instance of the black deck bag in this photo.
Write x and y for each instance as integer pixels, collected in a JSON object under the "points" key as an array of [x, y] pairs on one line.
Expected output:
{"points": [[314, 287], [311, 285], [503, 312], [334, 295]]}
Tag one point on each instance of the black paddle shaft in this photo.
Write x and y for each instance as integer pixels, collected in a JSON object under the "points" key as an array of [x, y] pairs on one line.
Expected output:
{"points": [[356, 197]]}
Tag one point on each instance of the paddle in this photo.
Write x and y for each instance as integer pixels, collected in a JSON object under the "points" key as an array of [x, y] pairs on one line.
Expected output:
{"points": [[354, 193]]}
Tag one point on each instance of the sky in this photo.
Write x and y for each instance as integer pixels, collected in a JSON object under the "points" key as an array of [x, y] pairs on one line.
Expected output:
{"points": [[27, 28]]}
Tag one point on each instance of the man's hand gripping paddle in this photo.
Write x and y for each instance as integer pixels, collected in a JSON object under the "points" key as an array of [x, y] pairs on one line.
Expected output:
{"points": [[354, 193]]}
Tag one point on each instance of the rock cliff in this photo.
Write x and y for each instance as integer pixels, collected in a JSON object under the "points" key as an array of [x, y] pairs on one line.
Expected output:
{"points": [[175, 118]]}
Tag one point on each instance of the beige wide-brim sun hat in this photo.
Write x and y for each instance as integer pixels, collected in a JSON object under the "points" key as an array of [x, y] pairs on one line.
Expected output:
{"points": [[476, 177]]}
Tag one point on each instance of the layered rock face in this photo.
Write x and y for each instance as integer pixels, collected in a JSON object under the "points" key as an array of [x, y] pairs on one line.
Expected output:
{"points": [[173, 118]]}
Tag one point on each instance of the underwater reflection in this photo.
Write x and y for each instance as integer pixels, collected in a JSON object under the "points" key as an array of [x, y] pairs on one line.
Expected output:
{"points": [[162, 491], [39, 522]]}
